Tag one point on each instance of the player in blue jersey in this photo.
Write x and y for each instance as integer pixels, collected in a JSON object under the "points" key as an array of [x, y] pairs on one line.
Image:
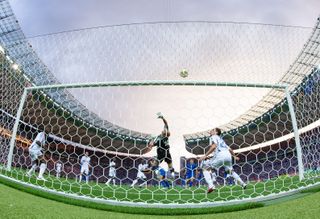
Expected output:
{"points": [[191, 168], [160, 173], [199, 177]]}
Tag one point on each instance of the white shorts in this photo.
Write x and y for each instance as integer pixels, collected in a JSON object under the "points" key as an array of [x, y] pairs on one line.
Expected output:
{"points": [[141, 175], [112, 173], [35, 154], [84, 169], [222, 159]]}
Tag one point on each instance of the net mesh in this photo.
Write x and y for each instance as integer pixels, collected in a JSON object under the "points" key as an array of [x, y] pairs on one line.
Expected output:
{"points": [[115, 124], [266, 150]]}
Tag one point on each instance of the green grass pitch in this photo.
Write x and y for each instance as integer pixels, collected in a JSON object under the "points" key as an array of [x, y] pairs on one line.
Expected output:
{"points": [[176, 194], [18, 204]]}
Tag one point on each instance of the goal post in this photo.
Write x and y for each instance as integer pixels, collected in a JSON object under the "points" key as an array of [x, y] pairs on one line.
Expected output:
{"points": [[130, 148], [15, 129], [296, 134], [88, 118]]}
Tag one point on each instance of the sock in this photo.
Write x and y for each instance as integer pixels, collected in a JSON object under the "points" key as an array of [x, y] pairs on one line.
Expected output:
{"points": [[108, 181], [237, 178], [114, 181], [207, 177], [144, 183], [134, 182], [43, 167], [34, 166]]}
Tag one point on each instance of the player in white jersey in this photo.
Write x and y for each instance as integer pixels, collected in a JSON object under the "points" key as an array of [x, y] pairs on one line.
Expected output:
{"points": [[221, 157], [85, 164], [58, 169], [36, 154], [142, 169], [112, 172]]}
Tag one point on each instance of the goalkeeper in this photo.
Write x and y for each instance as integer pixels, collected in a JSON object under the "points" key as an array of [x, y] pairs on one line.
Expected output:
{"points": [[162, 143]]}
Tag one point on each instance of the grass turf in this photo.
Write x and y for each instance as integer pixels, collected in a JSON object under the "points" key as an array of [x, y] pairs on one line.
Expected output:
{"points": [[17, 204], [154, 194], [132, 210]]}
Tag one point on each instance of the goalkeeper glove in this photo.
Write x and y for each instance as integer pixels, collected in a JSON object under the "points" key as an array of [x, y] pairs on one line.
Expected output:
{"points": [[160, 116]]}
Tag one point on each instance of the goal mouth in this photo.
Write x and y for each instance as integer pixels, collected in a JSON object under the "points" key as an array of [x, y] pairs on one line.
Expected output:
{"points": [[271, 170], [102, 141], [273, 157]]}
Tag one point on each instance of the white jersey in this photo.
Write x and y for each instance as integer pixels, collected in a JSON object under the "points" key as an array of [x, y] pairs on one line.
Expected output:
{"points": [[112, 166], [41, 137], [221, 156], [58, 167], [221, 144], [141, 168], [85, 162], [112, 169]]}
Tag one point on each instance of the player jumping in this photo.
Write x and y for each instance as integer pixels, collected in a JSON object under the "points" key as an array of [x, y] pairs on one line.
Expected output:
{"points": [[221, 157], [35, 151], [162, 143]]}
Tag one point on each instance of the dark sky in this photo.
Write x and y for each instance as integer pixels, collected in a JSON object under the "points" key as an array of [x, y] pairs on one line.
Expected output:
{"points": [[47, 16]]}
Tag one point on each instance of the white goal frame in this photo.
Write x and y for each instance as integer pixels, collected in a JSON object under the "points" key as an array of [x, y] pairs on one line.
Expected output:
{"points": [[284, 87]]}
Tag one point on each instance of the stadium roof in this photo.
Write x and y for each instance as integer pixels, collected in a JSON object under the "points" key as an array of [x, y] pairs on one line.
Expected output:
{"points": [[13, 39], [305, 63], [17, 47]]}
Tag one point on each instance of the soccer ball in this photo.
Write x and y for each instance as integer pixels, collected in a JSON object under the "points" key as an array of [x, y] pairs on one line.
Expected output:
{"points": [[184, 73]]}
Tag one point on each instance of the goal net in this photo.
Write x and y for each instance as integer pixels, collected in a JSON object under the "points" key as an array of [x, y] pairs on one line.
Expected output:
{"points": [[101, 122], [111, 158]]}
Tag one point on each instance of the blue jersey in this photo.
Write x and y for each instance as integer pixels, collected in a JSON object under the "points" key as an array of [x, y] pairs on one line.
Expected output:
{"points": [[191, 168], [161, 175], [200, 175], [160, 172]]}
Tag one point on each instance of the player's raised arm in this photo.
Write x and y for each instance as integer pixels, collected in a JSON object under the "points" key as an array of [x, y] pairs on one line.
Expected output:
{"points": [[166, 126], [165, 131]]}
